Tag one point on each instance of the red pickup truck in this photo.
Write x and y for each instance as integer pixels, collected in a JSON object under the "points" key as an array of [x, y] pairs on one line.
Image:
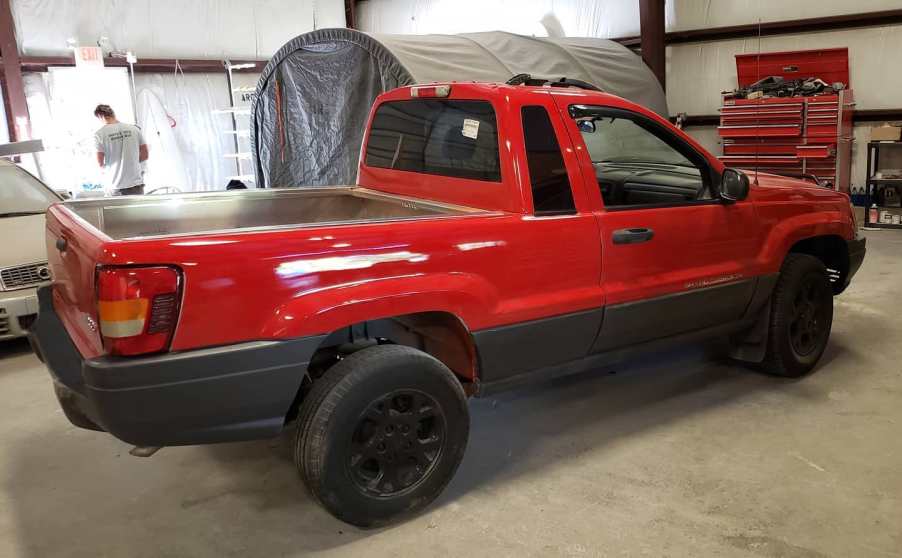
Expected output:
{"points": [[497, 234]]}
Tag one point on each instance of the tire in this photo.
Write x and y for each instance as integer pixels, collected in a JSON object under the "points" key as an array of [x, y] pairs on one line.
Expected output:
{"points": [[381, 433], [801, 317]]}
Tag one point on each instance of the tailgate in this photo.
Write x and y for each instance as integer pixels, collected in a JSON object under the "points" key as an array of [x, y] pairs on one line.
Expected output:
{"points": [[74, 248]]}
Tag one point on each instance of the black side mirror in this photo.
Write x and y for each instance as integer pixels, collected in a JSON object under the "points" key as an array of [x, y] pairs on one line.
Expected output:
{"points": [[586, 126], [734, 186]]}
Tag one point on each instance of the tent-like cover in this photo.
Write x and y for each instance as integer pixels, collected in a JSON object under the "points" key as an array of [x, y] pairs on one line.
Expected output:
{"points": [[315, 94]]}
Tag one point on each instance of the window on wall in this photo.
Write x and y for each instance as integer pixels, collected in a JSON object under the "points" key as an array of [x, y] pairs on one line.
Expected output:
{"points": [[450, 138], [637, 167], [551, 191]]}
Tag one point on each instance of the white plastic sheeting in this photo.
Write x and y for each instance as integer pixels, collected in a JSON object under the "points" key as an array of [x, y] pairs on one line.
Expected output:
{"points": [[188, 134], [588, 18], [576, 18], [171, 28], [189, 155], [703, 14], [61, 104]]}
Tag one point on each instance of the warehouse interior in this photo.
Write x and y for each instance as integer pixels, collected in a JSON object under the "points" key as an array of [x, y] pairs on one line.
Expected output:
{"points": [[254, 119]]}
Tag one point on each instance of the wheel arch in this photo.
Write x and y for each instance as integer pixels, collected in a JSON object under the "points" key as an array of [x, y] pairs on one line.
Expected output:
{"points": [[832, 251], [441, 334]]}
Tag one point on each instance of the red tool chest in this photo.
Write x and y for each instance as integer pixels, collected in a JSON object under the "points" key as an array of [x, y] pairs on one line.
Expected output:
{"points": [[795, 135]]}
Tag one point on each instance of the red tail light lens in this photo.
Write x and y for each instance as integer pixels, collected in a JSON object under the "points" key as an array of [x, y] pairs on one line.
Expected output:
{"points": [[137, 307]]}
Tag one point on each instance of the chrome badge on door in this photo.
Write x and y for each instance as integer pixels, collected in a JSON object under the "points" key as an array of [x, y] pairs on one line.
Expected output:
{"points": [[710, 282]]}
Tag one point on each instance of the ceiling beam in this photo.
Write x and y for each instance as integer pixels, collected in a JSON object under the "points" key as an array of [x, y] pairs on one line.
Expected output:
{"points": [[790, 27], [156, 65]]}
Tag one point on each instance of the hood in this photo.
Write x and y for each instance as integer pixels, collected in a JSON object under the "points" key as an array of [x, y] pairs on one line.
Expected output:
{"points": [[23, 240], [773, 187]]}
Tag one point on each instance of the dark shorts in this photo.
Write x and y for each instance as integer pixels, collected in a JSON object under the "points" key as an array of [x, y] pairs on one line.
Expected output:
{"points": [[133, 191]]}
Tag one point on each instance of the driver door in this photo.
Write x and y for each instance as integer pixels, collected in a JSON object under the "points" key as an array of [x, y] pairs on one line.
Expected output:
{"points": [[675, 258]]}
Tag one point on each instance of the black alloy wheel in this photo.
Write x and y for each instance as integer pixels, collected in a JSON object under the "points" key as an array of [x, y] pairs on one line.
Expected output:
{"points": [[397, 442], [809, 322]]}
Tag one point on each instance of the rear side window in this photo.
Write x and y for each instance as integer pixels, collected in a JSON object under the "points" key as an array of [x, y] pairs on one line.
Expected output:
{"points": [[551, 193], [435, 136]]}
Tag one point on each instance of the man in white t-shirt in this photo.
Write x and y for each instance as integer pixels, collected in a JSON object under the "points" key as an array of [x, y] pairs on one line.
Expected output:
{"points": [[120, 151]]}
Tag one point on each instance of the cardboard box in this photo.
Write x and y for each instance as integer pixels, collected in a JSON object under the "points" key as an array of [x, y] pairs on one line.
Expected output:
{"points": [[886, 133]]}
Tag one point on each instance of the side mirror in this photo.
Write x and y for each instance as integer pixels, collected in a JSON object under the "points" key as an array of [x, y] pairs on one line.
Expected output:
{"points": [[734, 186], [586, 126]]}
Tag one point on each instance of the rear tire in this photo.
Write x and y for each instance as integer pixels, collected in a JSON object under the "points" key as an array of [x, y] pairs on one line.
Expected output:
{"points": [[801, 317], [381, 434]]}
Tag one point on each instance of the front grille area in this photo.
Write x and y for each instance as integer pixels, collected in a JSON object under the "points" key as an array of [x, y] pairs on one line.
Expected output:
{"points": [[4, 322], [22, 276]]}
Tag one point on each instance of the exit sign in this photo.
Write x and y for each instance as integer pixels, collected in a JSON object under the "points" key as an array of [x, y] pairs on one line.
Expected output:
{"points": [[89, 57]]}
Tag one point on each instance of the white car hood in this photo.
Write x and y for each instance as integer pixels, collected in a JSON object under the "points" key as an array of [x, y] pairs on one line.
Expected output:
{"points": [[23, 240]]}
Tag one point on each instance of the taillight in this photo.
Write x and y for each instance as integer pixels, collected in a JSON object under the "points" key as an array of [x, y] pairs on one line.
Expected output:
{"points": [[430, 91], [137, 307]]}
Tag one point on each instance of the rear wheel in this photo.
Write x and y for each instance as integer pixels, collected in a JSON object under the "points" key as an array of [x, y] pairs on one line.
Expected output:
{"points": [[381, 434], [801, 317]]}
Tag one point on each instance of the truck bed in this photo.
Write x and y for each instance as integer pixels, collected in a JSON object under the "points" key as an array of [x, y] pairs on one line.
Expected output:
{"points": [[186, 214]]}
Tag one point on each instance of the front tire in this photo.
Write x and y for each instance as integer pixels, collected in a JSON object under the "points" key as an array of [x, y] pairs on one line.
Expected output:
{"points": [[801, 317], [381, 434]]}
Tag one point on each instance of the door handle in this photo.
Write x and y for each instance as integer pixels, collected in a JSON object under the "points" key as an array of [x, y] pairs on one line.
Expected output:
{"points": [[633, 235]]}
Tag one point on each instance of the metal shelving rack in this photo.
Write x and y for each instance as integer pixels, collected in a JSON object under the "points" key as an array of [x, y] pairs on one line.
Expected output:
{"points": [[874, 184], [243, 162]]}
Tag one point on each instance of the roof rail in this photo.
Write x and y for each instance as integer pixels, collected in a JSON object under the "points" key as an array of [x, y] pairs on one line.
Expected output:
{"points": [[526, 79]]}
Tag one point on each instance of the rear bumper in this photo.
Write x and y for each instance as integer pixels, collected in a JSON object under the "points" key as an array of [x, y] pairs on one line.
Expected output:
{"points": [[221, 394], [17, 312]]}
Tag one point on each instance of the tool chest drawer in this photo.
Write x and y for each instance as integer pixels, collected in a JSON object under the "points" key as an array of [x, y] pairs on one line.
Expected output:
{"points": [[760, 130], [759, 160], [775, 117], [815, 151], [753, 147]]}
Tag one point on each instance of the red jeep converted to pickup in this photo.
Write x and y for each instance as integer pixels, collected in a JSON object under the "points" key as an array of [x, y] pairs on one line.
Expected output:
{"points": [[497, 234]]}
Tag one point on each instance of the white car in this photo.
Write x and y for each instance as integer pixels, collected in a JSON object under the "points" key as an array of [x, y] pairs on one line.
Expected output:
{"points": [[23, 255]]}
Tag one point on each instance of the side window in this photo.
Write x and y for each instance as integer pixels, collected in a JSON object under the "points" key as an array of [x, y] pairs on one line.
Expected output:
{"points": [[636, 167], [551, 192]]}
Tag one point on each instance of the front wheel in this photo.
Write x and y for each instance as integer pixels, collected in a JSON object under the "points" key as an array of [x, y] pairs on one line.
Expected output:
{"points": [[801, 317], [381, 434]]}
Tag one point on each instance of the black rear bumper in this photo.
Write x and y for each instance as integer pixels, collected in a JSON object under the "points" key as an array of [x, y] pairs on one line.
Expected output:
{"points": [[221, 394]]}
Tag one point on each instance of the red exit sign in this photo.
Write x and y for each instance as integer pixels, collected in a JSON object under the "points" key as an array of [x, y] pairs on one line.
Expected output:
{"points": [[89, 57]]}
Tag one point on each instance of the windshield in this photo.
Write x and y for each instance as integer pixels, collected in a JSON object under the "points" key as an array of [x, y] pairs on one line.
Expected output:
{"points": [[22, 194], [619, 140]]}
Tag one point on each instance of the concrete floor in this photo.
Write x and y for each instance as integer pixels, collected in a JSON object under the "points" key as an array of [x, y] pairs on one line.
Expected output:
{"points": [[675, 456]]}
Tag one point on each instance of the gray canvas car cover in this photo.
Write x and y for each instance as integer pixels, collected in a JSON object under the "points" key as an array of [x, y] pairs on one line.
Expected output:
{"points": [[315, 94]]}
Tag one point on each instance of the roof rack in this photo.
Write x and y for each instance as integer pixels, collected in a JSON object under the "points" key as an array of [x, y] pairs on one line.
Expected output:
{"points": [[526, 79]]}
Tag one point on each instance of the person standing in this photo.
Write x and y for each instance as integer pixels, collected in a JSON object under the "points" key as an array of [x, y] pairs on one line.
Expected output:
{"points": [[120, 151]]}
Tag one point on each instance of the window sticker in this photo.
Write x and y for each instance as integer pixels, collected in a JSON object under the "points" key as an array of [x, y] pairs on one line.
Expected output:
{"points": [[470, 129]]}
